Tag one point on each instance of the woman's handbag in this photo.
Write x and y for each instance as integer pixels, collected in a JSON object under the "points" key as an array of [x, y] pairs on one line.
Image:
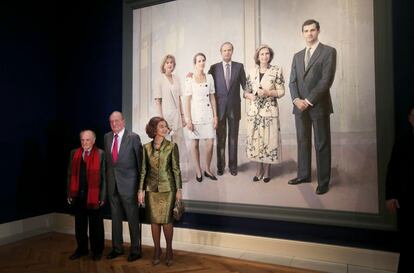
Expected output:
{"points": [[141, 213], [178, 210]]}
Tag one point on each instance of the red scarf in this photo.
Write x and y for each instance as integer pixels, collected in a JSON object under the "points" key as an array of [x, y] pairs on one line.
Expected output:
{"points": [[93, 176]]}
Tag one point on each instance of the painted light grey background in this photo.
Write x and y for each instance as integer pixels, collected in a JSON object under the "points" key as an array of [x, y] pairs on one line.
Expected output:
{"points": [[185, 27], [346, 25]]}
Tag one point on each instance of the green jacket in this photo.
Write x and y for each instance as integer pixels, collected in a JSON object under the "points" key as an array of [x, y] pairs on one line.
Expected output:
{"points": [[160, 171]]}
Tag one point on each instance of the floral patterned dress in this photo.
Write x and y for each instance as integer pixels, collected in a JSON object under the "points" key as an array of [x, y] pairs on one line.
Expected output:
{"points": [[263, 125]]}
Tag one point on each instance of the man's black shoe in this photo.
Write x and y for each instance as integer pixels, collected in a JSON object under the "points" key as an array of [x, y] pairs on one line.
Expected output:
{"points": [[113, 254], [296, 181], [220, 172], [77, 255], [322, 190], [233, 172], [134, 256], [97, 256]]}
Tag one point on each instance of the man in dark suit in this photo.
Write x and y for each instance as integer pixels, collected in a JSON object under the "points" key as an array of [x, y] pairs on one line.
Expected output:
{"points": [[86, 192], [400, 177], [228, 76], [312, 75], [123, 151]]}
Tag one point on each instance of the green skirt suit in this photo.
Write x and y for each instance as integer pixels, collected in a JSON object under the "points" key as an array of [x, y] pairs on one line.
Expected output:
{"points": [[160, 178]]}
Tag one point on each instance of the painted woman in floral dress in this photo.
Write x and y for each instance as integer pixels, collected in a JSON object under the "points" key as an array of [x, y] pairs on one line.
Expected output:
{"points": [[265, 84]]}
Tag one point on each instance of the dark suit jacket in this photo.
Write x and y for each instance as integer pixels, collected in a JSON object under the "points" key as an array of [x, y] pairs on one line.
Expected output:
{"points": [[400, 175], [314, 84], [102, 189], [160, 169], [126, 171], [228, 100]]}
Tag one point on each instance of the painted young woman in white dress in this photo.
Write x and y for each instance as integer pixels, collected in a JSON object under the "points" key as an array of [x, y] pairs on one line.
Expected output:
{"points": [[201, 114], [167, 95]]}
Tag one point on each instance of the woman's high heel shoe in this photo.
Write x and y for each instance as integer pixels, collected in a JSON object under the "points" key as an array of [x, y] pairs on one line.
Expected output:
{"points": [[156, 259], [257, 178], [266, 179], [199, 179], [169, 258], [212, 177]]}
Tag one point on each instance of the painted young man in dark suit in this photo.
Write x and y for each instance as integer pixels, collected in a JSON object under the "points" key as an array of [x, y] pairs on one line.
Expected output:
{"points": [[86, 192], [312, 75], [228, 76], [123, 151]]}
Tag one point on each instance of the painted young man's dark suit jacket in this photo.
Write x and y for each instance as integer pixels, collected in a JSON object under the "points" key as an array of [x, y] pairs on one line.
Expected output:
{"points": [[313, 84]]}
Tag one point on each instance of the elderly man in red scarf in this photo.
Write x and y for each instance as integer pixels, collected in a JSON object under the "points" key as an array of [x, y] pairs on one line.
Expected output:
{"points": [[86, 192]]}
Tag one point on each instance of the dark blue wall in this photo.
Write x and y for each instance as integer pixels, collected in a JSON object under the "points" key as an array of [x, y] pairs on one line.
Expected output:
{"points": [[61, 73], [28, 98], [89, 77], [403, 23]]}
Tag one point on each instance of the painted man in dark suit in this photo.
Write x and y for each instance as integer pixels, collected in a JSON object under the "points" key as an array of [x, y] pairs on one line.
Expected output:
{"points": [[86, 192], [123, 152], [400, 177], [228, 76], [312, 75]]}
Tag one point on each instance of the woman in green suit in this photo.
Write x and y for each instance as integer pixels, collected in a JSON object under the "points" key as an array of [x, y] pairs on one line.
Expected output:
{"points": [[160, 185]]}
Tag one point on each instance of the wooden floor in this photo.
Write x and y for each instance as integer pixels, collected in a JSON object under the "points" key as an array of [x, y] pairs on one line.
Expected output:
{"points": [[48, 253]]}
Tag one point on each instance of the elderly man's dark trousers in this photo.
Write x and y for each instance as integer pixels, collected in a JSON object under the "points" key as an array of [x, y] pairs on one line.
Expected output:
{"points": [[85, 217]]}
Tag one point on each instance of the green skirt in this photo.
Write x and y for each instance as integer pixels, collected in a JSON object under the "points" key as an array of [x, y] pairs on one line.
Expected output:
{"points": [[159, 207]]}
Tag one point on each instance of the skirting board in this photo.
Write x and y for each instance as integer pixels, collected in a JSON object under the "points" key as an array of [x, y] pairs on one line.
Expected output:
{"points": [[21, 229], [224, 244]]}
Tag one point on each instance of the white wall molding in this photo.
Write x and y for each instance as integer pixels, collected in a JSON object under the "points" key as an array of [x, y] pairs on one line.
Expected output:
{"points": [[205, 241], [21, 229]]}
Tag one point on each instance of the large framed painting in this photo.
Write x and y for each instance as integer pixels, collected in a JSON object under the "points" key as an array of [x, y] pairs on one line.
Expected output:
{"points": [[361, 97]]}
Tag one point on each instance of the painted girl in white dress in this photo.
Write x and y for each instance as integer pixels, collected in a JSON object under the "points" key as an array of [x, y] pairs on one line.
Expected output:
{"points": [[201, 114]]}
